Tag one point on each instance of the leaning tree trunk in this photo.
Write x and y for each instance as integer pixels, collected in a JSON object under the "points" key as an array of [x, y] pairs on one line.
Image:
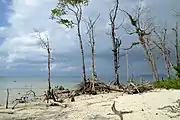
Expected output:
{"points": [[82, 53], [166, 59], [153, 66], [167, 66], [150, 57]]}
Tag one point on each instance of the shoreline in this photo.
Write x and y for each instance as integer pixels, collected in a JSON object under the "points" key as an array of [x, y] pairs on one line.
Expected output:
{"points": [[98, 107]]}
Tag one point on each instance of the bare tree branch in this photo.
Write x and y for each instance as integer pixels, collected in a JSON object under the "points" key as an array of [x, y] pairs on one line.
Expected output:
{"points": [[143, 34]]}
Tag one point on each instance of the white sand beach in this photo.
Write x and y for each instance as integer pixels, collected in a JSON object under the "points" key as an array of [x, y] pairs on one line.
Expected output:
{"points": [[87, 107]]}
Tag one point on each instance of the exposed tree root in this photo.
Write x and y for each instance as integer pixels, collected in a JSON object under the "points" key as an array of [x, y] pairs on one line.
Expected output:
{"points": [[100, 87], [50, 95], [59, 94], [133, 88]]}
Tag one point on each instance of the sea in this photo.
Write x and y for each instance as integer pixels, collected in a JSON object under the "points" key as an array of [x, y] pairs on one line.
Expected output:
{"points": [[18, 85], [22, 82]]}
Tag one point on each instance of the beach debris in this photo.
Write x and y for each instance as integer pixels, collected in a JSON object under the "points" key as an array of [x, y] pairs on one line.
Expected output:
{"points": [[6, 112], [133, 88], [178, 101], [119, 113], [24, 98], [7, 99], [99, 87], [57, 104], [59, 94], [172, 109]]}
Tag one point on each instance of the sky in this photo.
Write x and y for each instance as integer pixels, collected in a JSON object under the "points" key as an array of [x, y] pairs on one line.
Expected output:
{"points": [[21, 55]]}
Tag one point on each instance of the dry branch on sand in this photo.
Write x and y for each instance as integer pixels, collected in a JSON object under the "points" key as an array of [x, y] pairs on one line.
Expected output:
{"points": [[133, 88], [172, 109], [24, 98], [119, 113], [60, 94], [100, 87]]}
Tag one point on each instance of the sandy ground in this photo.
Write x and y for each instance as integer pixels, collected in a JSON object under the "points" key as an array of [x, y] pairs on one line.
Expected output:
{"points": [[144, 107]]}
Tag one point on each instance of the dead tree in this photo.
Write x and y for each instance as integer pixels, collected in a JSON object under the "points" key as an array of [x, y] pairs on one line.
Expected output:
{"points": [[143, 31], [177, 45], [127, 58], [44, 42], [90, 31], [165, 52], [115, 40]]}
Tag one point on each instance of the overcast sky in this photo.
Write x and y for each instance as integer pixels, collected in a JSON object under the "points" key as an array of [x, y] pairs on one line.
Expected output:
{"points": [[21, 55]]}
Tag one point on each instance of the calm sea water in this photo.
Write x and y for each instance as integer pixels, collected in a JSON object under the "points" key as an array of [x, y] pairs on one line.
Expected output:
{"points": [[41, 82], [18, 85], [36, 82]]}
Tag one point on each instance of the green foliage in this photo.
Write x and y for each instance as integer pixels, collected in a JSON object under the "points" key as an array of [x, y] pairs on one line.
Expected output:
{"points": [[63, 8], [167, 84], [177, 69]]}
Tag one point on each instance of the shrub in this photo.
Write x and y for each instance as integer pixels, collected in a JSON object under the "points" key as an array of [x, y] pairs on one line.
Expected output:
{"points": [[167, 84], [177, 69]]}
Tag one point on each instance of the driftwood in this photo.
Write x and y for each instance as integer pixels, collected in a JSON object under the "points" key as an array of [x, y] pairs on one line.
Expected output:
{"points": [[50, 95], [23, 98], [60, 94], [172, 109], [7, 99], [100, 87], [6, 112], [119, 113], [133, 88]]}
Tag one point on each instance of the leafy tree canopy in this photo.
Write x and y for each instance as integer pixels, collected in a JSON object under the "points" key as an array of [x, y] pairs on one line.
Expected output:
{"points": [[64, 7]]}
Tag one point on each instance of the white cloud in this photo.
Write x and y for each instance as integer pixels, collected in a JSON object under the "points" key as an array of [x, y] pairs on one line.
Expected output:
{"points": [[70, 69], [21, 43]]}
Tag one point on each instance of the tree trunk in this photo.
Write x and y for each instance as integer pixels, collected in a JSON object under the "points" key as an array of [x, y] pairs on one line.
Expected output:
{"points": [[177, 46], [115, 40], [167, 66], [116, 67], [82, 53], [7, 99], [153, 66], [127, 66], [93, 61], [49, 70], [115, 53], [93, 67], [150, 57]]}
